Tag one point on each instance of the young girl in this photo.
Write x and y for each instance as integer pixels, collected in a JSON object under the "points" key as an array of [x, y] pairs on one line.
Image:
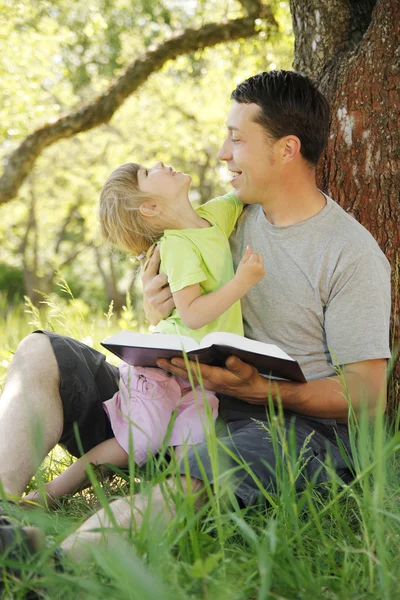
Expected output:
{"points": [[138, 208]]}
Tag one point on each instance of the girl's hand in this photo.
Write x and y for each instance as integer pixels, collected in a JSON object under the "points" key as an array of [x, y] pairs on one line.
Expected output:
{"points": [[250, 270]]}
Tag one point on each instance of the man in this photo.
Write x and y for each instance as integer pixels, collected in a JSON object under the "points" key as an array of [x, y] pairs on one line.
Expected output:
{"points": [[325, 300]]}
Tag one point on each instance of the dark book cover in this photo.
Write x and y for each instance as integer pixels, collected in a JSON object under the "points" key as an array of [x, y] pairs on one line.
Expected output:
{"points": [[213, 355]]}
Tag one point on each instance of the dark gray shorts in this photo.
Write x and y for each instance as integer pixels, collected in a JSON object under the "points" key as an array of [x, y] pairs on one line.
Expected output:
{"points": [[87, 380]]}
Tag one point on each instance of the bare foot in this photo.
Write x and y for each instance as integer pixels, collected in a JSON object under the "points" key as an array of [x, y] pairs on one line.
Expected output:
{"points": [[34, 499]]}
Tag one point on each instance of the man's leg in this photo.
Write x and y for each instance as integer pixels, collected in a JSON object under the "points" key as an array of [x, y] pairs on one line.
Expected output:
{"points": [[258, 457], [55, 384], [157, 505], [31, 413]]}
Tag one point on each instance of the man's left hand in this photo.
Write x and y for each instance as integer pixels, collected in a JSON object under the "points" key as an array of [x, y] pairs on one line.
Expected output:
{"points": [[238, 379]]}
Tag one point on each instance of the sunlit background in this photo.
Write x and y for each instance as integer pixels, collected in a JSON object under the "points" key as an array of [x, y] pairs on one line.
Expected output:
{"points": [[58, 55]]}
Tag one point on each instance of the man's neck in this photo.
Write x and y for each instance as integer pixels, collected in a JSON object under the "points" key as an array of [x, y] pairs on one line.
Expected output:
{"points": [[293, 202]]}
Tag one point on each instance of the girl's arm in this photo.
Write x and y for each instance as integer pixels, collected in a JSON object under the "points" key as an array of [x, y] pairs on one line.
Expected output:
{"points": [[73, 478], [197, 310]]}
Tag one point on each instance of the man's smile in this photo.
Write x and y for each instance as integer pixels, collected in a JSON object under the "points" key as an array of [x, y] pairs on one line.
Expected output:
{"points": [[236, 174]]}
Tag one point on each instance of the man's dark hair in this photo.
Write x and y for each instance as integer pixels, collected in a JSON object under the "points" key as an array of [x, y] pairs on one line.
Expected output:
{"points": [[290, 104]]}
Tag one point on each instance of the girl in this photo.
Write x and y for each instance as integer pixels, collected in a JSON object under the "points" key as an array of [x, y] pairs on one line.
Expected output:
{"points": [[138, 208]]}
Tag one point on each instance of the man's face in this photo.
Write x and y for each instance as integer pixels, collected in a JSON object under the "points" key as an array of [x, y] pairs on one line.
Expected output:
{"points": [[248, 154]]}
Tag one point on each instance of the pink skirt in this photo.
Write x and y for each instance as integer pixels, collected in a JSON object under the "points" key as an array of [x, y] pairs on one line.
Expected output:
{"points": [[141, 410]]}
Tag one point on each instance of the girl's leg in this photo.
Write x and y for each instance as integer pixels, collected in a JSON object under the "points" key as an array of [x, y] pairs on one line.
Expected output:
{"points": [[142, 408], [192, 420], [75, 476]]}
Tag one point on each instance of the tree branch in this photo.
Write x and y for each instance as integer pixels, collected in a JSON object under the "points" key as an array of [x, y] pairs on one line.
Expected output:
{"points": [[21, 161], [252, 7]]}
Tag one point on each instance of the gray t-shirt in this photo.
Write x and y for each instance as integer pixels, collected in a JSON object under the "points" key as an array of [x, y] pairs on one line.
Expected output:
{"points": [[325, 298]]}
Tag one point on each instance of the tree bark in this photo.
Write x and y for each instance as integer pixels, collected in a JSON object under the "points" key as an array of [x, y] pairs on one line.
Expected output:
{"points": [[352, 47], [21, 161]]}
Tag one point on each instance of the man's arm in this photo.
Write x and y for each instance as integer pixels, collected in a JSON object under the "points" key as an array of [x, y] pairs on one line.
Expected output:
{"points": [[364, 383], [157, 297]]}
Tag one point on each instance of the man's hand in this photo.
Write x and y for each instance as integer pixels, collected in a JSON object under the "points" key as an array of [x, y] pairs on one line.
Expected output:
{"points": [[238, 379], [157, 298], [324, 398]]}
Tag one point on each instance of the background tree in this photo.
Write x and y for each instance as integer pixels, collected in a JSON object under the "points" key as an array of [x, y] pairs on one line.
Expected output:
{"points": [[352, 47]]}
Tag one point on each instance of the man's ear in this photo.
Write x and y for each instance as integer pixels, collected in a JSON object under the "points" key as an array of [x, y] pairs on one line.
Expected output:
{"points": [[150, 209], [290, 148]]}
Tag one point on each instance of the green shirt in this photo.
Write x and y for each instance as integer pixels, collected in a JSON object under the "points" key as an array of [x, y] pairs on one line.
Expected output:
{"points": [[202, 256]]}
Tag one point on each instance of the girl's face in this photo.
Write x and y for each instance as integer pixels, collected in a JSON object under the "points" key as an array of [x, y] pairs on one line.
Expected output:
{"points": [[164, 183]]}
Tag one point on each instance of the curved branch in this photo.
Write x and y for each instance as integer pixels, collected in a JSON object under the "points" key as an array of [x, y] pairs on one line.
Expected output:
{"points": [[21, 161], [252, 7]]}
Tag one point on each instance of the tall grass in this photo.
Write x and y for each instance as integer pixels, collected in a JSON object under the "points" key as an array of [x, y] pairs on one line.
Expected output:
{"points": [[339, 541]]}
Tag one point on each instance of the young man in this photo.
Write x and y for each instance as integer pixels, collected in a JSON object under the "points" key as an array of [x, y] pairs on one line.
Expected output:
{"points": [[325, 299], [326, 295]]}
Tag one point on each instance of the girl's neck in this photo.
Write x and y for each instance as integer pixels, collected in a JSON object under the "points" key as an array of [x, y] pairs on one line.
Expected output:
{"points": [[187, 218]]}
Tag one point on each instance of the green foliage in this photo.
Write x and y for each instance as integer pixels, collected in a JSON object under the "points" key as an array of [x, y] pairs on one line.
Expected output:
{"points": [[58, 54], [11, 281]]}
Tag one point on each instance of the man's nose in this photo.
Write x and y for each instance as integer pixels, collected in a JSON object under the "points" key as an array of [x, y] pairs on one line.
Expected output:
{"points": [[225, 152]]}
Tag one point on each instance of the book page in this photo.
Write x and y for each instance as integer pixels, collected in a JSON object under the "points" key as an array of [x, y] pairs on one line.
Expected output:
{"points": [[152, 340], [222, 338]]}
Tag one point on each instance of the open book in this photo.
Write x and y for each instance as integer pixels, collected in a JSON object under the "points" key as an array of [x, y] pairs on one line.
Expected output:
{"points": [[141, 349]]}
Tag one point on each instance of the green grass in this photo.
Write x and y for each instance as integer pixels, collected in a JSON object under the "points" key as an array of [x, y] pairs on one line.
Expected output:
{"points": [[342, 541]]}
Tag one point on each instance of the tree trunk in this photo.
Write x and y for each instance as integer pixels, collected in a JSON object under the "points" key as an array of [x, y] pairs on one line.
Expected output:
{"points": [[110, 280], [36, 288], [352, 47]]}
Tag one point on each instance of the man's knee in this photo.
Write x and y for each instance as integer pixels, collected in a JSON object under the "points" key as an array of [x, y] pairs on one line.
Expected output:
{"points": [[35, 351], [37, 343]]}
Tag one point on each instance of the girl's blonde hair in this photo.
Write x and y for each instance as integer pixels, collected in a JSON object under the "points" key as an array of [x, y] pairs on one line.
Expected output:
{"points": [[121, 221]]}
